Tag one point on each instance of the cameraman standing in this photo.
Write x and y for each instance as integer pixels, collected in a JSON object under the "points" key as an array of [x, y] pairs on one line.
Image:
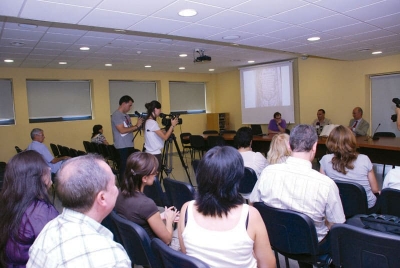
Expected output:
{"points": [[154, 137]]}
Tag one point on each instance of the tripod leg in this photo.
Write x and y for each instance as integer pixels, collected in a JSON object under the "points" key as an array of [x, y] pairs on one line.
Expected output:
{"points": [[164, 160], [181, 158]]}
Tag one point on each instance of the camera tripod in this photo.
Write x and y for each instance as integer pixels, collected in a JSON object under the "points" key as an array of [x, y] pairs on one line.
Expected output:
{"points": [[166, 158]]}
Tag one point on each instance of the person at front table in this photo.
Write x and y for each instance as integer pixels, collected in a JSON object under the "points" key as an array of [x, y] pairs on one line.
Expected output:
{"points": [[358, 125], [321, 119], [277, 125]]}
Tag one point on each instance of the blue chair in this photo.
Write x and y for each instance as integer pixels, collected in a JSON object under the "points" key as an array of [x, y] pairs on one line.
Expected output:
{"points": [[135, 240], [293, 235], [169, 258], [178, 192], [213, 141], [354, 198], [247, 182], [357, 247], [111, 225], [389, 202]]}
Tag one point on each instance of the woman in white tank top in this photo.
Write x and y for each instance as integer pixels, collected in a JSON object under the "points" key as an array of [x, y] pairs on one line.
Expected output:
{"points": [[217, 227]]}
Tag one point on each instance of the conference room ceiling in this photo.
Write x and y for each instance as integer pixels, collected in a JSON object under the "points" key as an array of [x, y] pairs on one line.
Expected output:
{"points": [[130, 34]]}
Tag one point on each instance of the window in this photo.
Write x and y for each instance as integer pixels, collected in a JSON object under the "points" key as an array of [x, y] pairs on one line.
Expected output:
{"points": [[187, 97], [140, 92], [6, 103], [51, 101]]}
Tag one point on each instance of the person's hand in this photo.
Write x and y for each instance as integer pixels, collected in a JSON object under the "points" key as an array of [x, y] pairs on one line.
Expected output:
{"points": [[278, 121], [174, 121], [139, 122], [170, 214]]}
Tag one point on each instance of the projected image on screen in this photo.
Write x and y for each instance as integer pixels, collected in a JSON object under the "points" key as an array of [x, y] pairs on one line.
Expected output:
{"points": [[267, 89]]}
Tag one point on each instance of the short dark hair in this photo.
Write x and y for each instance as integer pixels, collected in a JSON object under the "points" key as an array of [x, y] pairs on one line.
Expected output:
{"points": [[138, 165], [151, 106], [78, 186], [302, 138], [277, 114], [96, 130], [125, 99], [321, 110], [218, 177], [243, 137]]}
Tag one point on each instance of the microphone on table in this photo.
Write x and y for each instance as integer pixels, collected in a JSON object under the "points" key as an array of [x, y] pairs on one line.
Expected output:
{"points": [[374, 137]]}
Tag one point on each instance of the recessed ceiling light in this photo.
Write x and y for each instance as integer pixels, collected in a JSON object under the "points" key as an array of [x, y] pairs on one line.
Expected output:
{"points": [[187, 13], [250, 61], [62, 62], [182, 55], [147, 66], [231, 37], [17, 44], [211, 70], [376, 52], [108, 64], [84, 48], [182, 68], [8, 60], [27, 25], [315, 38]]}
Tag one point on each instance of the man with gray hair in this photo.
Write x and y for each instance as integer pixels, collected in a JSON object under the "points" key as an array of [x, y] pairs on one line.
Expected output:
{"points": [[86, 188], [294, 185], [37, 136]]}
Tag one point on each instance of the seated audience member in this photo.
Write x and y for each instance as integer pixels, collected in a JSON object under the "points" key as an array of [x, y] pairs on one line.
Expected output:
{"points": [[134, 205], [277, 125], [253, 160], [392, 179], [97, 135], [37, 136], [345, 164], [321, 119], [86, 188], [25, 207], [217, 227], [358, 125], [296, 186]]}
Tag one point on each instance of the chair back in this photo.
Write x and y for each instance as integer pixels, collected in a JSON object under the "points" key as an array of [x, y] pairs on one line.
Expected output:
{"points": [[248, 181], [55, 150], [183, 136], [103, 150], [198, 144], [135, 240], [385, 134], [178, 192], [389, 201], [2, 170], [73, 152], [228, 131], [210, 132], [195, 165], [357, 247], [354, 198], [79, 152], [168, 257], [19, 150], [213, 141], [156, 193], [292, 234], [88, 147], [113, 155], [256, 129], [110, 223]]}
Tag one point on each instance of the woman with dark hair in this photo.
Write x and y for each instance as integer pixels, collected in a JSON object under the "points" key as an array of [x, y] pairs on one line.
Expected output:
{"points": [[345, 164], [25, 207], [134, 205], [217, 227], [97, 135], [154, 137]]}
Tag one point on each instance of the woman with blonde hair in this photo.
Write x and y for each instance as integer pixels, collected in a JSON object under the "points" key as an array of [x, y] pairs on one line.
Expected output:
{"points": [[279, 150], [346, 164]]}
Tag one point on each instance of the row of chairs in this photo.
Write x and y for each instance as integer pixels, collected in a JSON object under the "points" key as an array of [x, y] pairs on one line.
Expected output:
{"points": [[60, 150], [109, 152], [196, 143]]}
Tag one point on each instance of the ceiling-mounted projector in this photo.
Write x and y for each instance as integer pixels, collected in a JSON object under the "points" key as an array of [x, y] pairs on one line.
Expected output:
{"points": [[202, 57]]}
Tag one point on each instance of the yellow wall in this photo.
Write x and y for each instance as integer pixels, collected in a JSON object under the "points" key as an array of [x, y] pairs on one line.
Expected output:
{"points": [[336, 86], [71, 134]]}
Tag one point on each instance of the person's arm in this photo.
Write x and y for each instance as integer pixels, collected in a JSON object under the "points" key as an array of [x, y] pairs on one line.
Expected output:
{"points": [[321, 170], [163, 231], [123, 130], [373, 182], [278, 124], [181, 226], [262, 247], [165, 135], [398, 117], [58, 159]]}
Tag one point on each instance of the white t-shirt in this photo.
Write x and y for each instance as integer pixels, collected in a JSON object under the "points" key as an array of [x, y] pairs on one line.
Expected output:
{"points": [[255, 161], [392, 179], [152, 142]]}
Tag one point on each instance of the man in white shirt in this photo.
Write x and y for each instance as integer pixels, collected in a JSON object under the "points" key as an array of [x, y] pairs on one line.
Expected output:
{"points": [[296, 186], [86, 188]]}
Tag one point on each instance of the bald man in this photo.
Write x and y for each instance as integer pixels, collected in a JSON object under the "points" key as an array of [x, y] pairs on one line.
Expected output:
{"points": [[358, 125]]}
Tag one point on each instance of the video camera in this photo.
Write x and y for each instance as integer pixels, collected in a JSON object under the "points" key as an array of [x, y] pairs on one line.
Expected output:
{"points": [[397, 102], [166, 119]]}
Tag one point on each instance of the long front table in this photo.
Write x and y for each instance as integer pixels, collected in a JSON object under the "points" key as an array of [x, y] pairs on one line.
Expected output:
{"points": [[386, 150]]}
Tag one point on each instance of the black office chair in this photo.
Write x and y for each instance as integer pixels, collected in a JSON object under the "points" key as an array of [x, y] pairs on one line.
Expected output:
{"points": [[169, 258], [113, 156], [73, 152], [247, 182], [88, 147], [178, 192], [354, 198], [389, 202], [207, 132], [185, 142], [293, 235], [156, 193], [198, 144], [228, 131], [213, 141], [103, 150], [80, 152], [2, 170], [135, 240], [19, 150], [111, 225], [55, 150], [357, 247], [384, 134]]}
